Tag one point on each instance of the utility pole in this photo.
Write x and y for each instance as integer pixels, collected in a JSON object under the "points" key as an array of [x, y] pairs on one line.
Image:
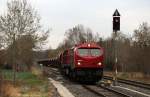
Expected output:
{"points": [[1, 82], [14, 59], [116, 28]]}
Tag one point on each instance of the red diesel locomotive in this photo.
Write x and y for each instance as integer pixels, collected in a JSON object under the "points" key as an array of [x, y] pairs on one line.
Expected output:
{"points": [[83, 62]]}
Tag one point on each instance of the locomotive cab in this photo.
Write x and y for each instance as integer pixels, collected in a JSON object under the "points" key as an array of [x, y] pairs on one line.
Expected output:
{"points": [[89, 61], [84, 62], [89, 58]]}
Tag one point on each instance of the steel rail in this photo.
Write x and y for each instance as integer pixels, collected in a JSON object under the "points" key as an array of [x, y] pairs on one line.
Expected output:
{"points": [[93, 91], [105, 88], [115, 91]]}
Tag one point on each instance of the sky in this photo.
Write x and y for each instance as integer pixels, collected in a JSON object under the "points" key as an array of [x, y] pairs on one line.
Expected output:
{"points": [[61, 15]]}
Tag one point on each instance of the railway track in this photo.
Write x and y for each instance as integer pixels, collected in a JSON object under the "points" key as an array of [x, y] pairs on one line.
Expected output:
{"points": [[98, 90], [130, 82], [94, 91], [104, 91], [114, 91]]}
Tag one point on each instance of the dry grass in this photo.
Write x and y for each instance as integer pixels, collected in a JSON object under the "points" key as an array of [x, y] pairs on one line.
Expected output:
{"points": [[36, 71], [29, 84], [9, 90]]}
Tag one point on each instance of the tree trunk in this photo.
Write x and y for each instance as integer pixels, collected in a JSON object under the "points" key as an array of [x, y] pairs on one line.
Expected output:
{"points": [[1, 82]]}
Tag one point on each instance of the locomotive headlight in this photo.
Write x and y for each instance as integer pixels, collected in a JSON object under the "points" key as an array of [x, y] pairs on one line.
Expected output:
{"points": [[79, 63], [99, 63]]}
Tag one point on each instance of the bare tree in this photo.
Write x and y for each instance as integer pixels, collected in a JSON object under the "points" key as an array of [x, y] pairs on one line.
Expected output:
{"points": [[79, 34], [142, 47], [75, 35], [21, 23], [121, 50], [142, 35]]}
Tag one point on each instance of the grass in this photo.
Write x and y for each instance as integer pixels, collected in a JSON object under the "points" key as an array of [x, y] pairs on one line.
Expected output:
{"points": [[8, 75], [30, 84]]}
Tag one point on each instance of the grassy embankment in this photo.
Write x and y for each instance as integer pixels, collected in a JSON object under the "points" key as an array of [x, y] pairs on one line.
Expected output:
{"points": [[28, 84]]}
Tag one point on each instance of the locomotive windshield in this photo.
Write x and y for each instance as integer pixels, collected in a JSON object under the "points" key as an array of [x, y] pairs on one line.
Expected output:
{"points": [[89, 52]]}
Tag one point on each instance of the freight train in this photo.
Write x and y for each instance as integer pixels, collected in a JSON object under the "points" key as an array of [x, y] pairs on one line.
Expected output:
{"points": [[83, 62]]}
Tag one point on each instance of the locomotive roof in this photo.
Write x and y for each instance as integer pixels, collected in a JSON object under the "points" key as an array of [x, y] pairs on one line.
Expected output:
{"points": [[92, 45], [84, 45]]}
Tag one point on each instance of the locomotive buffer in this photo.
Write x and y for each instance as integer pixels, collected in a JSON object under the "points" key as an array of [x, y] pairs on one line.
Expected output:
{"points": [[116, 28]]}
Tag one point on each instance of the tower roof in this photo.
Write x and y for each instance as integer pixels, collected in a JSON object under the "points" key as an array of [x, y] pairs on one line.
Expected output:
{"points": [[116, 13]]}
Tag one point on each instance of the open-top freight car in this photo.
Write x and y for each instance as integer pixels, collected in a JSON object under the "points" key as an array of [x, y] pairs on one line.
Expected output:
{"points": [[83, 62]]}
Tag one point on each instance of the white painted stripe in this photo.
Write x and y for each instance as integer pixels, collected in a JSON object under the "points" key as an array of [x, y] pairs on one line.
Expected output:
{"points": [[54, 69], [133, 91], [63, 91]]}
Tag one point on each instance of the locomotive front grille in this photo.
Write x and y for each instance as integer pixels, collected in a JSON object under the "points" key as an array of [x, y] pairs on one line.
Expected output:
{"points": [[84, 72]]}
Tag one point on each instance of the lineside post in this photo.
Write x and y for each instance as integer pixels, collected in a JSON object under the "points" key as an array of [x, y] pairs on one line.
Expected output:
{"points": [[116, 27]]}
